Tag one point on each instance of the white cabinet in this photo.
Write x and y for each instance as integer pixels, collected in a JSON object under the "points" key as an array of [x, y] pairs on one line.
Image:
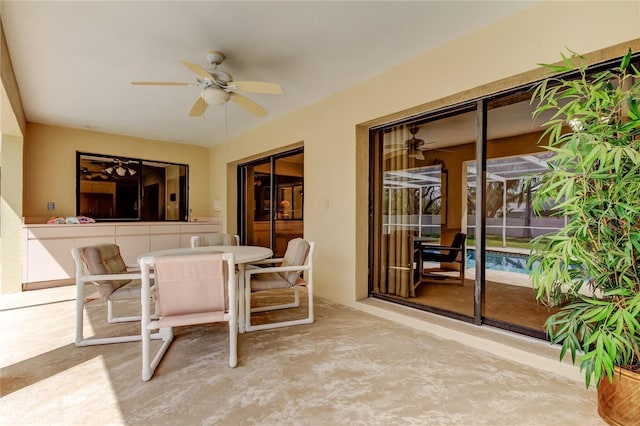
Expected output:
{"points": [[132, 240], [164, 237], [48, 260], [47, 248]]}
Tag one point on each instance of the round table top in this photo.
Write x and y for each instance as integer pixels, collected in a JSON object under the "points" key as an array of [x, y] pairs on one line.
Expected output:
{"points": [[243, 254]]}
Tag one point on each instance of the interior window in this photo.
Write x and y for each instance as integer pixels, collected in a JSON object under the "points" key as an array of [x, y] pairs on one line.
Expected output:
{"points": [[119, 188]]}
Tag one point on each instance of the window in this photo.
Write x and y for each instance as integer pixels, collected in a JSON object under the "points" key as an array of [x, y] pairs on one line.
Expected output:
{"points": [[119, 188]]}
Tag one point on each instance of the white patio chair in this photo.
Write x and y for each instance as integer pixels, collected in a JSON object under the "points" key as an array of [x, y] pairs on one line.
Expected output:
{"points": [[189, 290], [215, 240], [297, 259], [103, 266]]}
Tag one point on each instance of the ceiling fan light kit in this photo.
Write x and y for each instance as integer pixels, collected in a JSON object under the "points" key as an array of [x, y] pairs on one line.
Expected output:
{"points": [[218, 87], [214, 96]]}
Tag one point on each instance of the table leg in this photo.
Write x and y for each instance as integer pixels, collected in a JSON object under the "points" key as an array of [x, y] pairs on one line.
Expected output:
{"points": [[240, 293]]}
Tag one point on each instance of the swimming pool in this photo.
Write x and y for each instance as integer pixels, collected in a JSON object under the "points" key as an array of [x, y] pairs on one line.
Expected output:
{"points": [[501, 261]]}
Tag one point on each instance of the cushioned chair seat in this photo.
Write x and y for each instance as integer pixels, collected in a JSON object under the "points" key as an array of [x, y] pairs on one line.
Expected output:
{"points": [[128, 291], [271, 281], [287, 274]]}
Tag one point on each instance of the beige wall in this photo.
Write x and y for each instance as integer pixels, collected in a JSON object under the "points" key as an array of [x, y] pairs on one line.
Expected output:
{"points": [[50, 165], [334, 131], [11, 115], [11, 214], [336, 171], [12, 124]]}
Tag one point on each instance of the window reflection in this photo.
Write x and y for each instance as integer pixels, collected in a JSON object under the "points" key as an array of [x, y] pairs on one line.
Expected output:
{"points": [[118, 188], [273, 200]]}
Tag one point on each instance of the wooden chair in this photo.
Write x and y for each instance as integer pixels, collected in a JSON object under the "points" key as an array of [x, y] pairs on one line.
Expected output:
{"points": [[454, 253]]}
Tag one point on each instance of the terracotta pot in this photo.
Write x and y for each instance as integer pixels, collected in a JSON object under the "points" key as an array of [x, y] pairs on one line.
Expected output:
{"points": [[619, 402]]}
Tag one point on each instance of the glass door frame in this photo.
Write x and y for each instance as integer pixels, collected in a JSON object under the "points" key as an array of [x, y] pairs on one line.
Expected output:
{"points": [[375, 159], [480, 106], [242, 182]]}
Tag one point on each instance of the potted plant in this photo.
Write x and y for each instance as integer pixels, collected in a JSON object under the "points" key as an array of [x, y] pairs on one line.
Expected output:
{"points": [[590, 268]]}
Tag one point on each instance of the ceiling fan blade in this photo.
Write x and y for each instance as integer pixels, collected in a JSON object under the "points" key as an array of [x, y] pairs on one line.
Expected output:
{"points": [[248, 104], [198, 107], [200, 71], [160, 83], [256, 87]]}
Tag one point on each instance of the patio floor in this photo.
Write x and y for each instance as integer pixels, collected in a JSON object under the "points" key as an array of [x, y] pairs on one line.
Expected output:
{"points": [[349, 367]]}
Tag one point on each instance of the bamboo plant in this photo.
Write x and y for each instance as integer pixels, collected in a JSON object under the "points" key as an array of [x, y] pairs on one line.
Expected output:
{"points": [[590, 268]]}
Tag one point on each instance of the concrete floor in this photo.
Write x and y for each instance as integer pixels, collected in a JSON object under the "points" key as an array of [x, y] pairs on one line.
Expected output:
{"points": [[349, 367]]}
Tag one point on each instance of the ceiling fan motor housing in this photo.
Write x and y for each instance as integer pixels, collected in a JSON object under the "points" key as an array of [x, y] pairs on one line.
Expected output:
{"points": [[214, 57]]}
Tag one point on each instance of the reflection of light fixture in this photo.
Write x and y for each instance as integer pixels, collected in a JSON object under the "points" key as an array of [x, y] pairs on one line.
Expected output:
{"points": [[118, 168]]}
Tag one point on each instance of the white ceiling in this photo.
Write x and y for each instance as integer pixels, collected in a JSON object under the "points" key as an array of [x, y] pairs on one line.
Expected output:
{"points": [[74, 61]]}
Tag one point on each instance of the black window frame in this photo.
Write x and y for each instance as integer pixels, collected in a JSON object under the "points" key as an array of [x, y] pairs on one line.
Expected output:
{"points": [[184, 204]]}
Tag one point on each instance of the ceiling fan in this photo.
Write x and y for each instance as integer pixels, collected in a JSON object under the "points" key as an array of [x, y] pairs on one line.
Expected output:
{"points": [[414, 146], [218, 87]]}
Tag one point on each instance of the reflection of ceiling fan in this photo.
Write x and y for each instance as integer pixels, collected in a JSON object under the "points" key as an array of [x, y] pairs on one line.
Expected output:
{"points": [[415, 146], [114, 168], [218, 87]]}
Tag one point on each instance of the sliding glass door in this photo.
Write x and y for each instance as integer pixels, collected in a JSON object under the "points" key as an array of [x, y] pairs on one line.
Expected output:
{"points": [[419, 227], [272, 200], [468, 169], [452, 221]]}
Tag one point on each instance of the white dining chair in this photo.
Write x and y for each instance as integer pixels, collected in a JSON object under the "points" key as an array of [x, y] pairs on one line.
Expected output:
{"points": [[220, 239], [189, 289], [114, 281], [285, 274]]}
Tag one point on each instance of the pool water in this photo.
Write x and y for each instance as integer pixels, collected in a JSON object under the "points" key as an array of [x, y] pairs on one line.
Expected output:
{"points": [[501, 261]]}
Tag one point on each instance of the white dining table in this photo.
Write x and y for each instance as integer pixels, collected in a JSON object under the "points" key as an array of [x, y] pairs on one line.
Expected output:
{"points": [[242, 254]]}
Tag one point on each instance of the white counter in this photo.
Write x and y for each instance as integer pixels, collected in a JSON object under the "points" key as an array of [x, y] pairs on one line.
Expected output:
{"points": [[47, 248]]}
